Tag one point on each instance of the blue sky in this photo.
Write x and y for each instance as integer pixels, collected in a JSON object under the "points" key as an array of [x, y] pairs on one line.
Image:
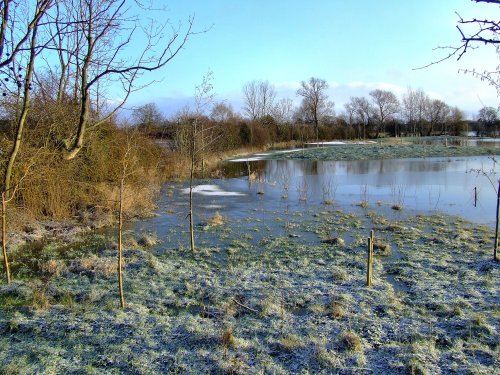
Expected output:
{"points": [[356, 46]]}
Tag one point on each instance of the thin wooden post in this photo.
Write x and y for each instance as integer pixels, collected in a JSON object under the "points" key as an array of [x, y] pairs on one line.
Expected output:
{"points": [[120, 244], [475, 196], [495, 250], [369, 270], [4, 239]]}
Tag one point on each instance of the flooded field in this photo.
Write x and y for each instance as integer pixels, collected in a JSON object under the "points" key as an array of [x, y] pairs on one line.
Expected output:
{"points": [[277, 283], [395, 188]]}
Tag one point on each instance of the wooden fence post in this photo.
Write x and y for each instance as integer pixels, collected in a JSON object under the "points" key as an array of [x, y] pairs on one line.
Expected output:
{"points": [[495, 250], [369, 270]]}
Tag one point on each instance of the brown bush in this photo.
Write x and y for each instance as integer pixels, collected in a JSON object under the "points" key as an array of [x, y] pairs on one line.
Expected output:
{"points": [[56, 188]]}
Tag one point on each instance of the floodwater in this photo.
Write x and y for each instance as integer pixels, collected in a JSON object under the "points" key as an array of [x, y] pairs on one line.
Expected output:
{"points": [[286, 189], [462, 186]]}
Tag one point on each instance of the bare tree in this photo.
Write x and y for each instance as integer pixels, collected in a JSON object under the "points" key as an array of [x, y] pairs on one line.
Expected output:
{"points": [[488, 119], [19, 50], [364, 112], [259, 97], [222, 112], [23, 84], [413, 108], [315, 104], [251, 97], [147, 117], [436, 112], [474, 33], [267, 96], [283, 111], [477, 31], [386, 106], [456, 121], [104, 56], [350, 118]]}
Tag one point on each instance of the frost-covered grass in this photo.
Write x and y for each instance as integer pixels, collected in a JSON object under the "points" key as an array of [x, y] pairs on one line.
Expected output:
{"points": [[279, 299], [383, 151]]}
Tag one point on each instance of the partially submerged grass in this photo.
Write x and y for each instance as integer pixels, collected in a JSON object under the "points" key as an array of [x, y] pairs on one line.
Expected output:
{"points": [[216, 220], [383, 151]]}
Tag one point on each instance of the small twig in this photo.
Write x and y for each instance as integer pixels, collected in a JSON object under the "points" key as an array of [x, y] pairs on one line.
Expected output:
{"points": [[244, 306]]}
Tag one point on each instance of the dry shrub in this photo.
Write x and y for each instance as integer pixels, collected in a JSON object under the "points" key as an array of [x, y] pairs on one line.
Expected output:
{"points": [[130, 243], [153, 262], [57, 188], [176, 166]]}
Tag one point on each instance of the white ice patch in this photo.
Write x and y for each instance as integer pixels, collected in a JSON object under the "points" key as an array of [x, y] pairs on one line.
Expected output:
{"points": [[262, 155], [334, 143], [212, 206], [212, 190], [330, 143], [246, 159]]}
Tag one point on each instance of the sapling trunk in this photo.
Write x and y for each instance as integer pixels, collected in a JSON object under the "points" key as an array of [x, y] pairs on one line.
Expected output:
{"points": [[369, 270], [120, 243], [191, 219], [4, 237], [495, 250]]}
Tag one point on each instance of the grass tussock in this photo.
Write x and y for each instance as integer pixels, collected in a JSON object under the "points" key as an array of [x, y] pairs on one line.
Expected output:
{"points": [[216, 220], [291, 342], [382, 248], [227, 339], [351, 342], [40, 300], [94, 264], [337, 310], [148, 240]]}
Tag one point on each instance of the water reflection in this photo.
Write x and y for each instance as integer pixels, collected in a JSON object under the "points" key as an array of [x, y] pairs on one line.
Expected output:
{"points": [[442, 184]]}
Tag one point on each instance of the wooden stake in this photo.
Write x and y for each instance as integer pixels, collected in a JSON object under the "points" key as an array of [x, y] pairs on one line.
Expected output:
{"points": [[4, 239], [120, 244], [495, 250], [369, 270]]}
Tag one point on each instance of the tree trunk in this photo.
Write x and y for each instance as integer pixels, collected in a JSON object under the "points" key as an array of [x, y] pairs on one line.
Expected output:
{"points": [[84, 97], [23, 115], [431, 129]]}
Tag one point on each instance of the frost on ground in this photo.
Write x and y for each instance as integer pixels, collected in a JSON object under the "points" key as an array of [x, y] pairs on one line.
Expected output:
{"points": [[262, 303], [382, 151]]}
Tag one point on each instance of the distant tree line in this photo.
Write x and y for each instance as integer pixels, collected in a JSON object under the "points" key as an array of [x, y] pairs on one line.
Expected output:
{"points": [[265, 120]]}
